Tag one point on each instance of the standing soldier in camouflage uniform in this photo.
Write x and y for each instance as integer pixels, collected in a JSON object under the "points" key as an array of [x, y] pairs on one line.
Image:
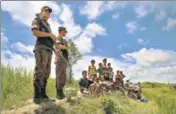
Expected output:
{"points": [[61, 51], [43, 53]]}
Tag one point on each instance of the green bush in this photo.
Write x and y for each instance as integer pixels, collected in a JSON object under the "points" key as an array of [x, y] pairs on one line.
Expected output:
{"points": [[109, 106]]}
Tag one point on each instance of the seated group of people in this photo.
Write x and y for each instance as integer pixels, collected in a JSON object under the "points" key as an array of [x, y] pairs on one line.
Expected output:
{"points": [[104, 75]]}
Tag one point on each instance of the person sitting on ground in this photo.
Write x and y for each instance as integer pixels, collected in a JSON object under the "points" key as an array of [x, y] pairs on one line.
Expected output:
{"points": [[103, 83], [96, 87], [94, 78], [122, 76], [92, 69], [110, 70], [127, 84], [132, 93], [84, 83], [117, 78], [100, 69], [97, 80], [138, 94], [140, 87], [102, 79]]}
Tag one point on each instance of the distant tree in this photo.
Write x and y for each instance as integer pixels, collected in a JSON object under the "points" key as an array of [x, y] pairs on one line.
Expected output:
{"points": [[74, 56]]}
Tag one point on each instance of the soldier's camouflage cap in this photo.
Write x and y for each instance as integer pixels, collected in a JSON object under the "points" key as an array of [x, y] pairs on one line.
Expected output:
{"points": [[62, 29], [46, 7]]}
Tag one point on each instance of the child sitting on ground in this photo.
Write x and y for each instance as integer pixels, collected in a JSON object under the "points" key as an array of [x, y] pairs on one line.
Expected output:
{"points": [[110, 71], [84, 83], [117, 78]]}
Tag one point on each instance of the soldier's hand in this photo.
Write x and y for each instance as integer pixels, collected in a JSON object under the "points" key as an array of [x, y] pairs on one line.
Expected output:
{"points": [[67, 48], [53, 37]]}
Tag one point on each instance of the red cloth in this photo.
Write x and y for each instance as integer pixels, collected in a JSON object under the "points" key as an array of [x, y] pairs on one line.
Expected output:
{"points": [[105, 68]]}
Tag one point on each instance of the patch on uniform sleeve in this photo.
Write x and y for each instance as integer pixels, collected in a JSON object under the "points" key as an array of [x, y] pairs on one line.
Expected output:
{"points": [[34, 26], [58, 42]]}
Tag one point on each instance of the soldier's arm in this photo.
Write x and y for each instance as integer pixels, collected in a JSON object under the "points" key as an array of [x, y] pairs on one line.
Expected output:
{"points": [[61, 46], [36, 32]]}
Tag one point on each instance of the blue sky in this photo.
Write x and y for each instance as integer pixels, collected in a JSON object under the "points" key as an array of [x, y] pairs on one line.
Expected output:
{"points": [[127, 33]]}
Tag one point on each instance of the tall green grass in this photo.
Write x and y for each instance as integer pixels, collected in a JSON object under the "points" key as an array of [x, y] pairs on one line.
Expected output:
{"points": [[16, 86], [163, 96]]}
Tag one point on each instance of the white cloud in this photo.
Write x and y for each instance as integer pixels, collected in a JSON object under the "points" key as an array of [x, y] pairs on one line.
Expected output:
{"points": [[68, 20], [16, 9], [141, 41], [84, 41], [160, 16], [131, 26], [151, 65], [116, 15], [22, 48], [4, 40], [142, 9], [94, 9], [160, 10], [62, 12], [171, 23], [158, 74], [17, 60], [149, 57]]}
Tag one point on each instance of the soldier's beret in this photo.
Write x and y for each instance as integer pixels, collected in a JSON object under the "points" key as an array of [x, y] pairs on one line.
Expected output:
{"points": [[62, 29]]}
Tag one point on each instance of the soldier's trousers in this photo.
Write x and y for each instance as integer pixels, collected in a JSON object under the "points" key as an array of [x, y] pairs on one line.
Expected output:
{"points": [[43, 67], [61, 67]]}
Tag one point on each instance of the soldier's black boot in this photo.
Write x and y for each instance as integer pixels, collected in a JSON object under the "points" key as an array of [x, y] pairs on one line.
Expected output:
{"points": [[44, 96], [60, 94], [43, 93], [37, 95]]}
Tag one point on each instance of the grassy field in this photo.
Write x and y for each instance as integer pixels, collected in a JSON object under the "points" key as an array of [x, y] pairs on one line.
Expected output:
{"points": [[17, 89]]}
